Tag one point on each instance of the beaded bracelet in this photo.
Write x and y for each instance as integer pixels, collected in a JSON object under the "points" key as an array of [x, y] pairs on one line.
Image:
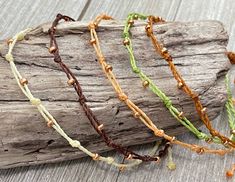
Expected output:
{"points": [[230, 102], [51, 122], [72, 81], [202, 111], [138, 113], [147, 82], [230, 109]]}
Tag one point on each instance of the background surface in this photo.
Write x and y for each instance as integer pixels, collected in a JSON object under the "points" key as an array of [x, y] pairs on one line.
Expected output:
{"points": [[17, 15]]}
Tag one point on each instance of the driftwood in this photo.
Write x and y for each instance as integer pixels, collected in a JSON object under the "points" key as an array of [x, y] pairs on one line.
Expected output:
{"points": [[198, 50]]}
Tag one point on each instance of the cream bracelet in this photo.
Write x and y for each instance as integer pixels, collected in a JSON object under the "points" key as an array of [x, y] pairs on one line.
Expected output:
{"points": [[51, 122]]}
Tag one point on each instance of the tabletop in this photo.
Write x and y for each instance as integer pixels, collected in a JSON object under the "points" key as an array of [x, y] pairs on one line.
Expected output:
{"points": [[17, 15]]}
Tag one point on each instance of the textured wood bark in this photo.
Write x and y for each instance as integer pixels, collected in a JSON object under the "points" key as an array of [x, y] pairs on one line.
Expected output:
{"points": [[197, 47]]}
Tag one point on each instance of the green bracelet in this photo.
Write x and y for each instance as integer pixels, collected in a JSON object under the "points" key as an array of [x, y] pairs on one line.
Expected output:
{"points": [[147, 81], [230, 108]]}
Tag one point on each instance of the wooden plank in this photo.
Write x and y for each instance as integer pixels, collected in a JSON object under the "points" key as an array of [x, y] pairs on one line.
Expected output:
{"points": [[18, 15], [120, 9], [76, 170], [26, 142], [222, 10], [189, 166]]}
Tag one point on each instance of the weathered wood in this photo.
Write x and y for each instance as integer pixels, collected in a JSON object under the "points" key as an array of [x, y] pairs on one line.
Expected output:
{"points": [[198, 49], [120, 9], [212, 9], [34, 13]]}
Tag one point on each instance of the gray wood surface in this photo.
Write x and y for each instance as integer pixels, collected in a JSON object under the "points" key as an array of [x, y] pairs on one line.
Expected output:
{"points": [[190, 167], [200, 47]]}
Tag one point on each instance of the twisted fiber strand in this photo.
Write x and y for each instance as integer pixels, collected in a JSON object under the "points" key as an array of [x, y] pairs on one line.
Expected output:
{"points": [[82, 99], [153, 87], [51, 121], [138, 113], [230, 108], [230, 102], [195, 97]]}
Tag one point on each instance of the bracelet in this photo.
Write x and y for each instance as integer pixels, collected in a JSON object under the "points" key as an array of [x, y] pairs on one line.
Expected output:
{"points": [[230, 101], [138, 113], [51, 121], [231, 117], [202, 111], [230, 109], [72, 81], [147, 82]]}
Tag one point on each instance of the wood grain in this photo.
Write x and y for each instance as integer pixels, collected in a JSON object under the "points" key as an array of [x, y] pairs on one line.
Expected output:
{"points": [[212, 9], [120, 9], [18, 15], [198, 47]]}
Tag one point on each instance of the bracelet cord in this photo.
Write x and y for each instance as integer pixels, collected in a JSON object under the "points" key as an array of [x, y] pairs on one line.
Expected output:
{"points": [[138, 113], [202, 111], [51, 121], [147, 82], [72, 80], [230, 110]]}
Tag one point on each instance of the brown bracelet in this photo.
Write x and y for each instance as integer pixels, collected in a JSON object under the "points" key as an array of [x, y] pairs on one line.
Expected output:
{"points": [[202, 111], [72, 81]]}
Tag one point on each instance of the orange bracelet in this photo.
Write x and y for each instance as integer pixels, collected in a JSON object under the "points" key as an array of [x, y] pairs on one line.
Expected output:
{"points": [[138, 113], [202, 111]]}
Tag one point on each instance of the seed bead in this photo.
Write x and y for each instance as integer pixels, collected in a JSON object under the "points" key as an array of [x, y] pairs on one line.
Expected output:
{"points": [[96, 157], [9, 41], [209, 140], [229, 173], [108, 68], [122, 97], [92, 41], [131, 22], [200, 151], [233, 132], [66, 19], [135, 17], [136, 114], [126, 42], [52, 49], [226, 143], [23, 81], [181, 115], [159, 19], [129, 157], [158, 160], [172, 139], [50, 123], [145, 83], [100, 127], [159, 133], [164, 50], [147, 27], [71, 81], [180, 85], [122, 168], [204, 110], [233, 101]]}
